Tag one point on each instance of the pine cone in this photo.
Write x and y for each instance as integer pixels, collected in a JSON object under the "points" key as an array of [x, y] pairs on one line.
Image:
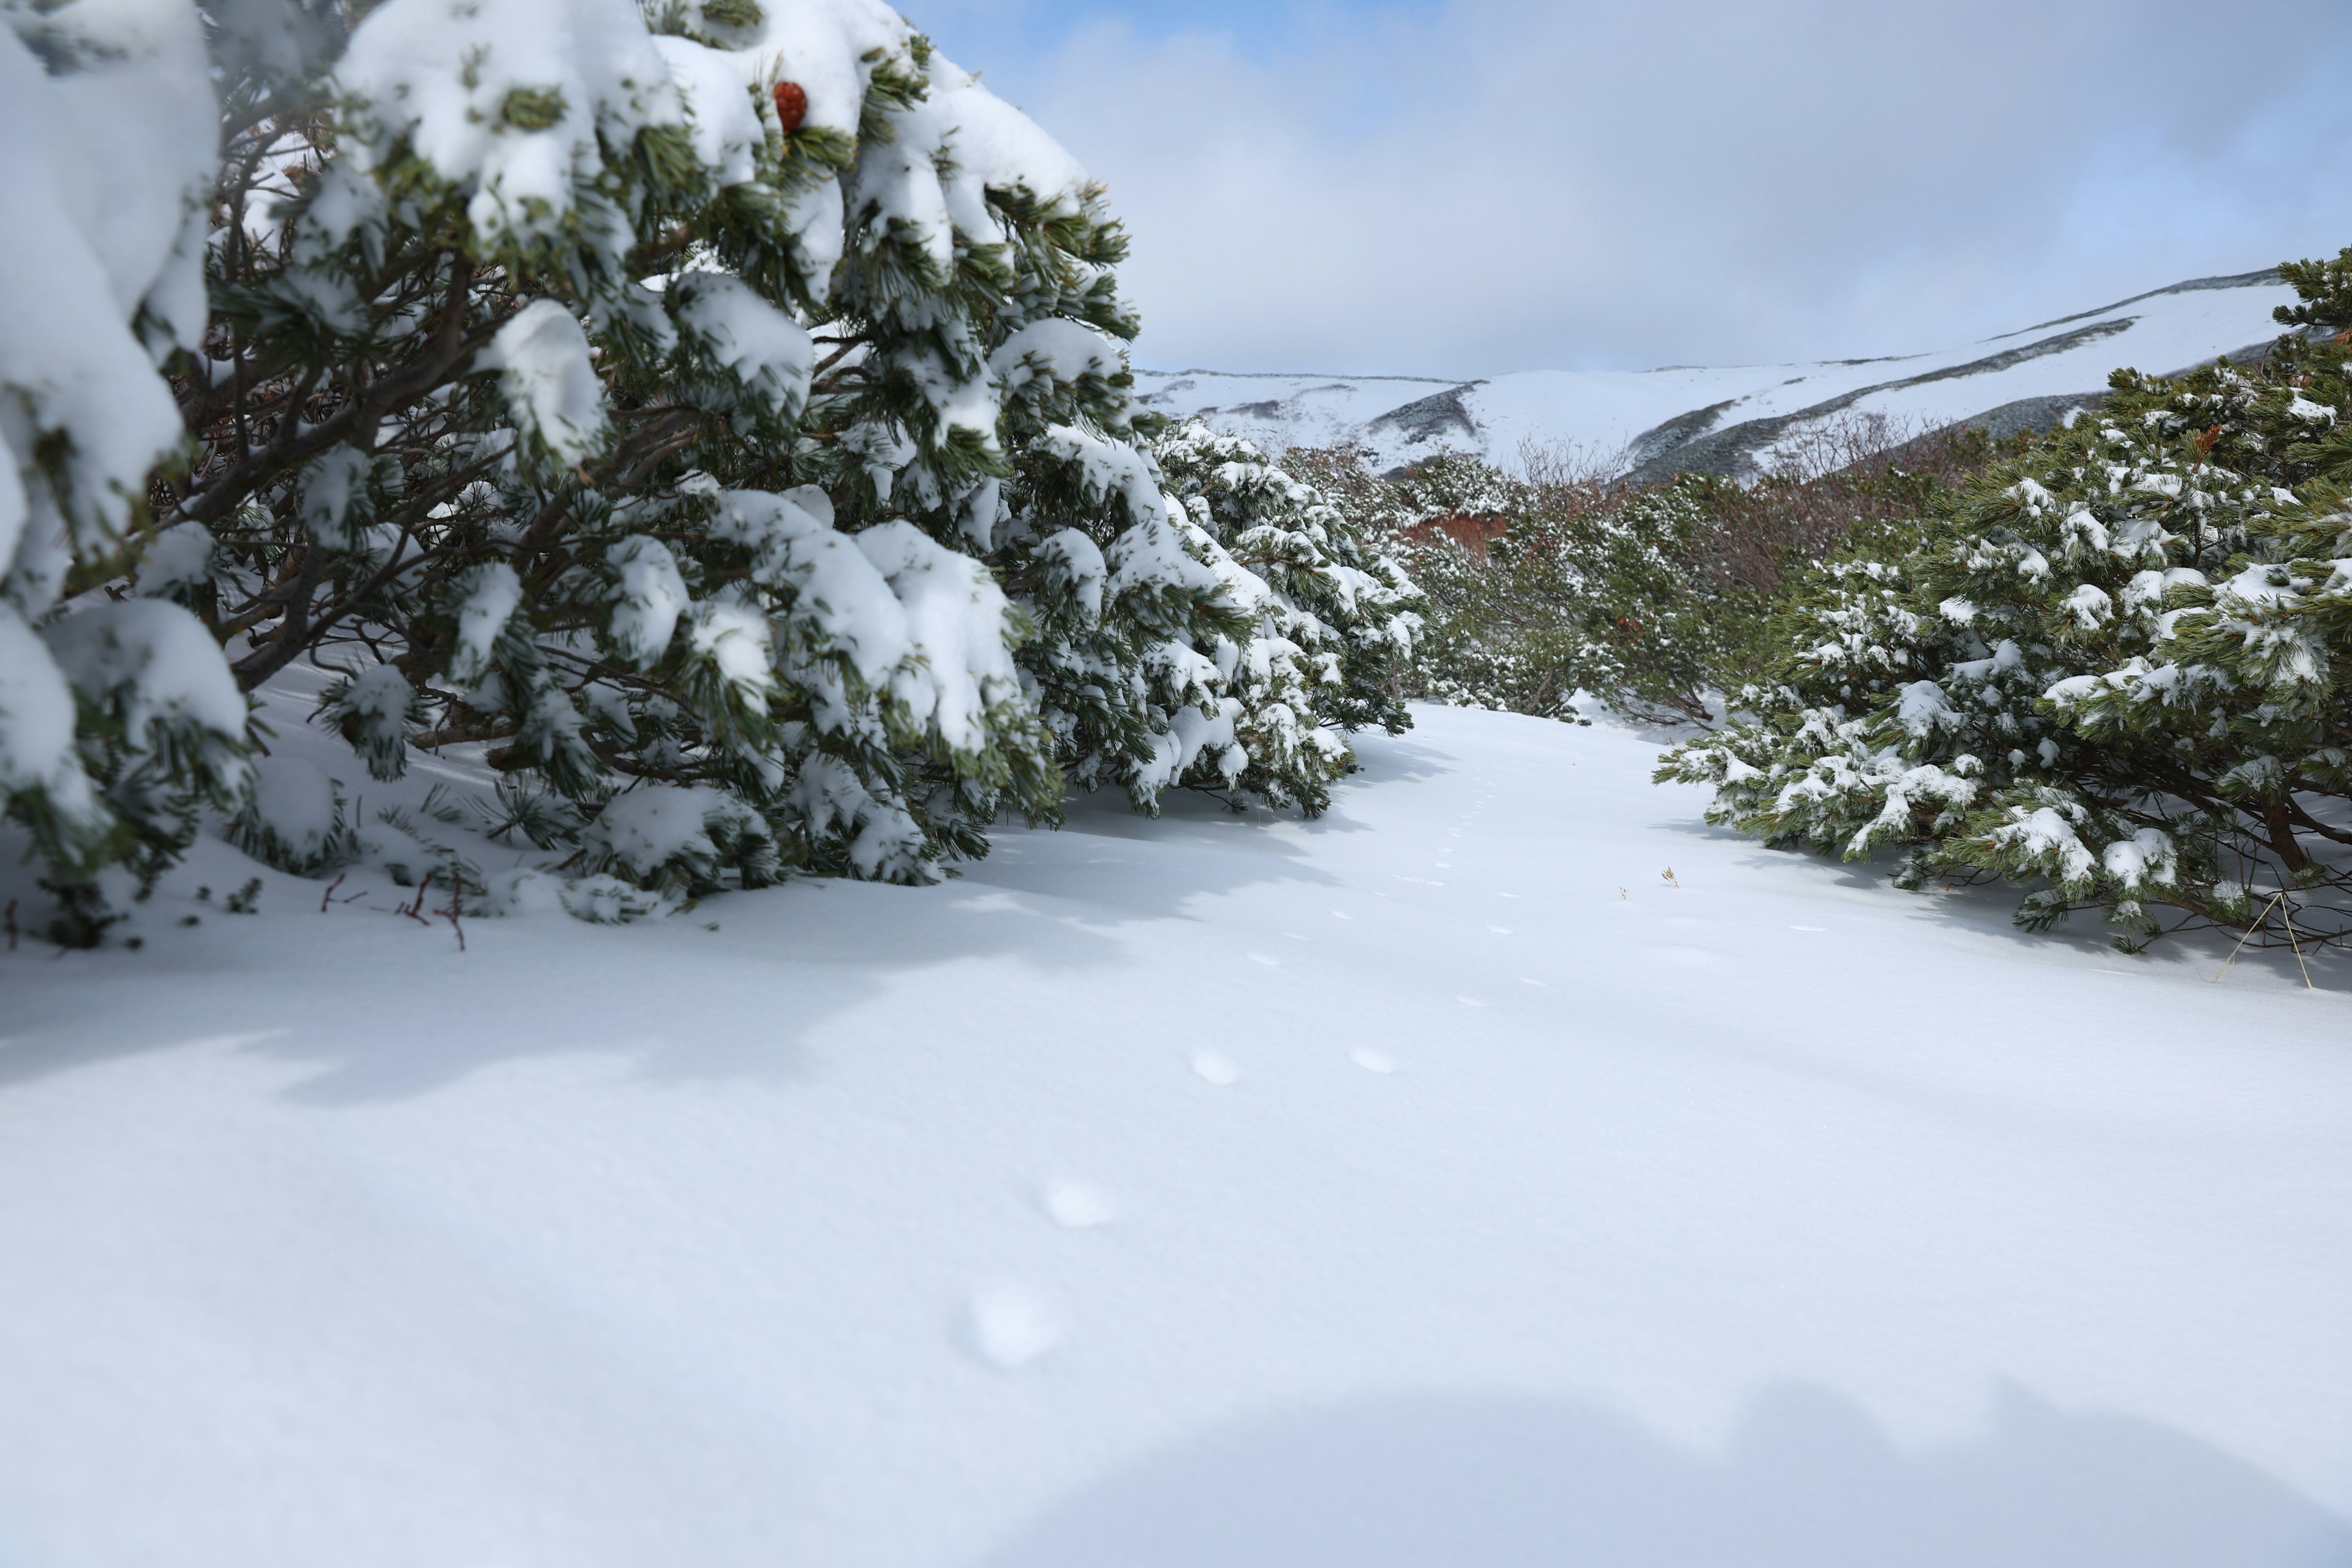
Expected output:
{"points": [[791, 105]]}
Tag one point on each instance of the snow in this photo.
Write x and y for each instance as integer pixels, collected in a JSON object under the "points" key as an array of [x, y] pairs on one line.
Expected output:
{"points": [[100, 212], [36, 719], [650, 596], [1075, 563], [996, 146], [550, 385], [510, 102], [1603, 413], [331, 483], [726, 117], [1690, 1221], [765, 349], [734, 638], [492, 596], [1108, 468], [156, 658], [828, 47], [958, 664], [654, 825], [295, 804], [919, 621], [1061, 350]]}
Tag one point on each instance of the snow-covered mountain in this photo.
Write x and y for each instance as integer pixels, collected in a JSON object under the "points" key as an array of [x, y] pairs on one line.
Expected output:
{"points": [[1730, 420]]}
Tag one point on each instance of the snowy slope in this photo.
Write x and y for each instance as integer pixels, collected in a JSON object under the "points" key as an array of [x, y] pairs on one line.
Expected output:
{"points": [[1725, 420], [1434, 1184]]}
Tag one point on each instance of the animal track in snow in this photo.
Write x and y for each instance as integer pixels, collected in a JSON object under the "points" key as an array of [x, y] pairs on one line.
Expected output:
{"points": [[1079, 1205], [1012, 1324], [1371, 1061], [1215, 1067], [989, 904]]}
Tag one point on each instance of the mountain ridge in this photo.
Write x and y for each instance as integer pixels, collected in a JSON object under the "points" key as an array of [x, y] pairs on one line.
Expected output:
{"points": [[1734, 420]]}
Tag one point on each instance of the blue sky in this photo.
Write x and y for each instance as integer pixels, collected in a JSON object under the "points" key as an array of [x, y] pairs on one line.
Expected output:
{"points": [[1463, 188], [1012, 29]]}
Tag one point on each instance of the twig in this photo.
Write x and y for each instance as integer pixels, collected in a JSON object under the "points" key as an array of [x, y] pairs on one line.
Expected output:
{"points": [[456, 897], [2287, 915], [2243, 940], [329, 893], [416, 912]]}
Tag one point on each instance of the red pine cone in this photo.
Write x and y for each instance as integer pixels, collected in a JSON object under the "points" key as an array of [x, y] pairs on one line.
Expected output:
{"points": [[791, 105]]}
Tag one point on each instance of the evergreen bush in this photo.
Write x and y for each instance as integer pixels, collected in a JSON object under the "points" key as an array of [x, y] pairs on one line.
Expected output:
{"points": [[2106, 670], [714, 414]]}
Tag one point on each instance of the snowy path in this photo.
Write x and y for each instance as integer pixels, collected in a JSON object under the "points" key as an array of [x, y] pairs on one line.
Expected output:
{"points": [[1389, 1190]]}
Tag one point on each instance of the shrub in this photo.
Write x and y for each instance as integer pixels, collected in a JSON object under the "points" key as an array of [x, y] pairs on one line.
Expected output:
{"points": [[1652, 601], [2105, 670]]}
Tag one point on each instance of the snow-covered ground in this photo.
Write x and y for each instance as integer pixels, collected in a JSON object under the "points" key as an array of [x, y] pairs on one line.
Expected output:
{"points": [[1654, 416], [1438, 1183]]}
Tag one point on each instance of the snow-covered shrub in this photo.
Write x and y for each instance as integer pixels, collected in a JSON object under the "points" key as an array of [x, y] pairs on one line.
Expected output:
{"points": [[681, 841], [1539, 588], [117, 720], [705, 401], [1334, 616], [2107, 670], [1652, 600], [295, 820]]}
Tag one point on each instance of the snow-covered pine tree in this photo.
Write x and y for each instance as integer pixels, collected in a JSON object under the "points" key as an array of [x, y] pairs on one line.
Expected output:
{"points": [[1334, 616], [1540, 587], [119, 720], [2109, 670], [716, 410]]}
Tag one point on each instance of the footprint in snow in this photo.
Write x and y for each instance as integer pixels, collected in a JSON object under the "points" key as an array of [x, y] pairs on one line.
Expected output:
{"points": [[1215, 1067], [1079, 1205], [1371, 1061], [1011, 1324]]}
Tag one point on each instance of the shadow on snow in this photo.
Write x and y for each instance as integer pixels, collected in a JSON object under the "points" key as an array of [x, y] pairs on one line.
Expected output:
{"points": [[1437, 1481]]}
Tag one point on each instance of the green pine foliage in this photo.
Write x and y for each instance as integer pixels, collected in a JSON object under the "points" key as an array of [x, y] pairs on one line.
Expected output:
{"points": [[747, 472], [1335, 615], [1652, 601], [2105, 670]]}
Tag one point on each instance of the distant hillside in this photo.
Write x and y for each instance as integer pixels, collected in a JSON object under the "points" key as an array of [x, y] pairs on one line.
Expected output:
{"points": [[1730, 421]]}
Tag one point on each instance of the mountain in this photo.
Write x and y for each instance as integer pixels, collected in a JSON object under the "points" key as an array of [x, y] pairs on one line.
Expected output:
{"points": [[1732, 420]]}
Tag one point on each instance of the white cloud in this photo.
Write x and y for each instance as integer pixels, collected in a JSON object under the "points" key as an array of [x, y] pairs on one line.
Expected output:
{"points": [[1502, 183]]}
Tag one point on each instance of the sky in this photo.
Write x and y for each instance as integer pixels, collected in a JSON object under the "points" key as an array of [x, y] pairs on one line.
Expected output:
{"points": [[1466, 187]]}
